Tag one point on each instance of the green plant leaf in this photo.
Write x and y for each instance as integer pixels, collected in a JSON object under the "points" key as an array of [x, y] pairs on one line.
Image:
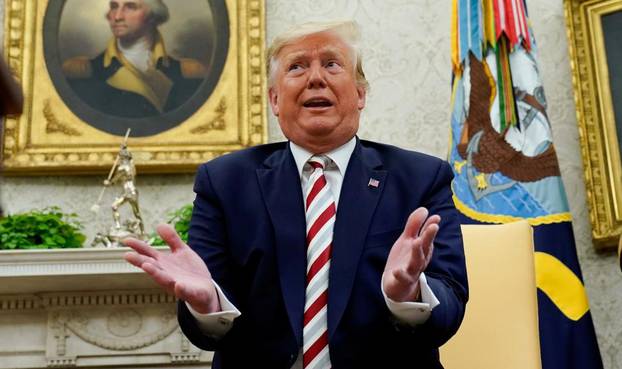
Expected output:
{"points": [[40, 229], [180, 219]]}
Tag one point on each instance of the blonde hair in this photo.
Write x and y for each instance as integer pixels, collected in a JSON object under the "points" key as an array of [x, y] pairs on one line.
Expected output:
{"points": [[348, 31]]}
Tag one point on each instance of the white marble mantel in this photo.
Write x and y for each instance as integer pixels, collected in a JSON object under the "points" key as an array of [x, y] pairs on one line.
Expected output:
{"points": [[87, 308]]}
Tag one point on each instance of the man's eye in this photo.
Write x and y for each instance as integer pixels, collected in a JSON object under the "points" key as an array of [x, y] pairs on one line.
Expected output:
{"points": [[332, 64], [132, 6], [293, 67]]}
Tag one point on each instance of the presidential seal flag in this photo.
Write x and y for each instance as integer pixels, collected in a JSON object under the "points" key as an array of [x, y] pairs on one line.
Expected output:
{"points": [[506, 168]]}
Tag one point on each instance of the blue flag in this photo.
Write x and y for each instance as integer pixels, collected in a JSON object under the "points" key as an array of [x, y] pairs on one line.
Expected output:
{"points": [[506, 167]]}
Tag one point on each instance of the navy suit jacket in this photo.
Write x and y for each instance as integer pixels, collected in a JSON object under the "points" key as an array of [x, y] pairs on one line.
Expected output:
{"points": [[248, 225]]}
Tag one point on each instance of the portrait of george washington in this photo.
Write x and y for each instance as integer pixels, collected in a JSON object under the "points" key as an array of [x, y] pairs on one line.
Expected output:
{"points": [[141, 64]]}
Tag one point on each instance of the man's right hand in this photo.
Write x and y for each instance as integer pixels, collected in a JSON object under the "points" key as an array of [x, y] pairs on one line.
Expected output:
{"points": [[181, 272]]}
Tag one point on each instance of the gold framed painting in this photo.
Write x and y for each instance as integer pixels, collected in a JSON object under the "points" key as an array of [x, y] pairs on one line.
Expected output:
{"points": [[596, 57], [188, 79]]}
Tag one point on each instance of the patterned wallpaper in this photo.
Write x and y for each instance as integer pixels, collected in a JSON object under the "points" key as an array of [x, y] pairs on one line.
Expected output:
{"points": [[406, 51]]}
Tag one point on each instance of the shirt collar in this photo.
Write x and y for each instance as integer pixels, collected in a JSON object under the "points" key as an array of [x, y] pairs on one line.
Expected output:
{"points": [[158, 51], [340, 156]]}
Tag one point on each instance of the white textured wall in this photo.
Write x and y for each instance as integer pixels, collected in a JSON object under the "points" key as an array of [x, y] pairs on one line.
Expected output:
{"points": [[406, 49]]}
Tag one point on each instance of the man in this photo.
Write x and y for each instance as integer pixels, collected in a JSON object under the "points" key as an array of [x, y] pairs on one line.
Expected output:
{"points": [[134, 77], [125, 173], [308, 254]]}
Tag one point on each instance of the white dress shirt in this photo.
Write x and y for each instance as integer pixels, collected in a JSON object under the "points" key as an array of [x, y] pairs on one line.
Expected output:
{"points": [[412, 313]]}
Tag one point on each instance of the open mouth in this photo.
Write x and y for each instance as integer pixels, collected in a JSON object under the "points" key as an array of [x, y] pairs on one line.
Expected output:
{"points": [[318, 103]]}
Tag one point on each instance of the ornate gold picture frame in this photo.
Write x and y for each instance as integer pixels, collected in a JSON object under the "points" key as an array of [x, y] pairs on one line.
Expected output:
{"points": [[597, 77], [73, 122]]}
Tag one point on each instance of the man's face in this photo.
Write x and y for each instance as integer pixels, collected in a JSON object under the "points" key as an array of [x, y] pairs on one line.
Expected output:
{"points": [[315, 95], [128, 19]]}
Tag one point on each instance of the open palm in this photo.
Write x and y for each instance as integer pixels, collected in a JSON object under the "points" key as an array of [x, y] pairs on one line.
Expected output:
{"points": [[409, 256], [181, 272]]}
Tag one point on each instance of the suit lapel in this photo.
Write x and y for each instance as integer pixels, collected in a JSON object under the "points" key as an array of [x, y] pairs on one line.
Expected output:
{"points": [[357, 202], [280, 185]]}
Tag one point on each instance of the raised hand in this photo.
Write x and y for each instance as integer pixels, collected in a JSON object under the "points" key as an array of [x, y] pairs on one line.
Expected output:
{"points": [[409, 256], [181, 272]]}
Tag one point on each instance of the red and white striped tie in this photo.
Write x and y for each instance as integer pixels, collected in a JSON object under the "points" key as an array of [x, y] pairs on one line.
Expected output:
{"points": [[320, 214]]}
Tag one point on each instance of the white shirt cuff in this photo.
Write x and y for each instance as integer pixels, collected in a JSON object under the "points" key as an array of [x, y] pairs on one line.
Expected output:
{"points": [[216, 325], [413, 313]]}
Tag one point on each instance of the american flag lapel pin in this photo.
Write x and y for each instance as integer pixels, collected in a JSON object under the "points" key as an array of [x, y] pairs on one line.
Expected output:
{"points": [[373, 182]]}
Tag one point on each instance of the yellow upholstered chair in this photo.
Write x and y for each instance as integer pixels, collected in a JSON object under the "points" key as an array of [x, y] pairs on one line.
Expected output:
{"points": [[500, 328]]}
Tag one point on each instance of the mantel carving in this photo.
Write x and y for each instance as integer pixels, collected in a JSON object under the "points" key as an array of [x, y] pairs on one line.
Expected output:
{"points": [[124, 328], [61, 362], [87, 308]]}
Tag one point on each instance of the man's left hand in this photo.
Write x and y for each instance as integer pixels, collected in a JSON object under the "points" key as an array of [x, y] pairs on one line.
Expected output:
{"points": [[409, 256]]}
